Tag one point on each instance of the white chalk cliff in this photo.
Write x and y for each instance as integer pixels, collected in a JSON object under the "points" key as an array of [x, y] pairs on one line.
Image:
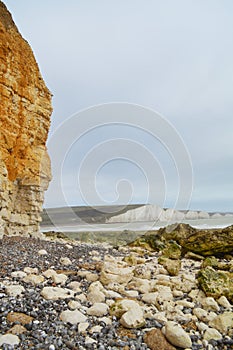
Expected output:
{"points": [[155, 213]]}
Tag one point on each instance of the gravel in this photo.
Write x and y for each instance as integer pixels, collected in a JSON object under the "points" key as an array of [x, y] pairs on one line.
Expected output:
{"points": [[47, 331]]}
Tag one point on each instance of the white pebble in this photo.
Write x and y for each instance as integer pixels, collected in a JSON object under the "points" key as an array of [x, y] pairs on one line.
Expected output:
{"points": [[176, 335], [18, 274], [223, 301], [9, 339], [42, 252], [31, 270], [65, 261]]}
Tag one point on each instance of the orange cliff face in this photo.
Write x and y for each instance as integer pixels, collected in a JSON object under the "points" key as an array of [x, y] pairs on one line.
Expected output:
{"points": [[25, 109]]}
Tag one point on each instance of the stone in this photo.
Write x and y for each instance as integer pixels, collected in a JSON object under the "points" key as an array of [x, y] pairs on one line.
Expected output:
{"points": [[42, 252], [14, 290], [59, 278], [49, 273], [150, 298], [31, 270], [9, 339], [118, 308], [176, 335], [210, 304], [56, 293], [65, 261], [81, 297], [156, 340], [72, 317], [17, 329], [95, 329], [75, 286], [224, 302], [82, 327], [73, 304], [131, 293], [18, 274], [113, 272], [212, 333], [202, 326], [223, 322], [34, 279], [216, 283], [22, 318], [133, 318], [200, 313], [172, 251], [98, 309], [210, 242], [172, 266], [106, 320], [142, 271], [25, 120], [91, 277], [96, 297], [90, 341], [139, 284], [210, 261]]}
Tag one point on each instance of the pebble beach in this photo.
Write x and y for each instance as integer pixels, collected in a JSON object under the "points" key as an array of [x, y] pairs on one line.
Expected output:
{"points": [[57, 294]]}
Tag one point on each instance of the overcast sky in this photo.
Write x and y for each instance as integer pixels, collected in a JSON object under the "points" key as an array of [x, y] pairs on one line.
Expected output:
{"points": [[171, 57]]}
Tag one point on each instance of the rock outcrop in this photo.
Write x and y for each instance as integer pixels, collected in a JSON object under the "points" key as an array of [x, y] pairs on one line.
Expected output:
{"points": [[25, 111], [209, 242]]}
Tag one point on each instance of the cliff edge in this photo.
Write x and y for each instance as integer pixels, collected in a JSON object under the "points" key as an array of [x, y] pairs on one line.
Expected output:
{"points": [[25, 109]]}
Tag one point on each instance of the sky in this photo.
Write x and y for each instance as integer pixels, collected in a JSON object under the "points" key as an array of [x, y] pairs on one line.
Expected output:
{"points": [[142, 99]]}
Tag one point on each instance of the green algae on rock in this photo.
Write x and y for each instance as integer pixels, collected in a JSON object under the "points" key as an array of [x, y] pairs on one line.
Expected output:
{"points": [[216, 283], [210, 242]]}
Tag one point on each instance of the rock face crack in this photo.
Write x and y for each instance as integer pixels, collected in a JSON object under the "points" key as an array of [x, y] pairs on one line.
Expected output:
{"points": [[25, 110]]}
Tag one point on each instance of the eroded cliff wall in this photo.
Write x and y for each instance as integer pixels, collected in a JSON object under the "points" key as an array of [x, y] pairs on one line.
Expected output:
{"points": [[25, 109]]}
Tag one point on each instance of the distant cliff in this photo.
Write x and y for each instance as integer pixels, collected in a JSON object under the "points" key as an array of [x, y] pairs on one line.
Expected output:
{"points": [[155, 213], [25, 111]]}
